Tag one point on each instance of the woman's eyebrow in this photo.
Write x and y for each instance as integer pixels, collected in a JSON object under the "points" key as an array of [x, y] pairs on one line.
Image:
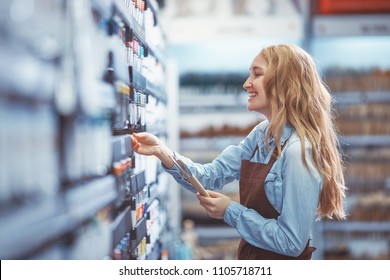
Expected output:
{"points": [[256, 68]]}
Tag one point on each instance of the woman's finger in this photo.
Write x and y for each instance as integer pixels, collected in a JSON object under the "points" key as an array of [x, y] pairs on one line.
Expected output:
{"points": [[213, 194], [140, 136], [203, 200]]}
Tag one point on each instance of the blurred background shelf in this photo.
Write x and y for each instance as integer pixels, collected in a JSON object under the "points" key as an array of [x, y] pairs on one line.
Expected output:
{"points": [[40, 222]]}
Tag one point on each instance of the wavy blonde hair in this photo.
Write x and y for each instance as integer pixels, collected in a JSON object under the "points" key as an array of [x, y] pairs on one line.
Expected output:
{"points": [[298, 97]]}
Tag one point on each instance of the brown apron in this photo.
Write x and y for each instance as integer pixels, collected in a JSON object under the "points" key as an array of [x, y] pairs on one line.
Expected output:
{"points": [[252, 195]]}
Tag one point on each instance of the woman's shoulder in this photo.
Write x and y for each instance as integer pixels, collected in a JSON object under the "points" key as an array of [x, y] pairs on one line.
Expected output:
{"points": [[252, 139], [258, 130], [261, 126], [293, 145]]}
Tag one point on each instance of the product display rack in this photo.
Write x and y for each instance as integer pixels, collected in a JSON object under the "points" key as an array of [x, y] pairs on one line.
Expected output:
{"points": [[361, 94], [71, 186]]}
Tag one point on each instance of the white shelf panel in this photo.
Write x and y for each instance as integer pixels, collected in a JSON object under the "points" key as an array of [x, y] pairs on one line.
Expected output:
{"points": [[365, 140], [355, 227], [351, 25], [356, 98]]}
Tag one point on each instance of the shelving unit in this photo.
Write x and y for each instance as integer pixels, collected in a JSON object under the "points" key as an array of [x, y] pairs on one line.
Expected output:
{"points": [[71, 187], [358, 85]]}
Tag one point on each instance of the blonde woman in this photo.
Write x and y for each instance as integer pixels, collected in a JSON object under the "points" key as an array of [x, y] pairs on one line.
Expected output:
{"points": [[289, 167]]}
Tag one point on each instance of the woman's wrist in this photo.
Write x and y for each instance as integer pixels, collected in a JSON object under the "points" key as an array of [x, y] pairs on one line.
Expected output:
{"points": [[165, 155]]}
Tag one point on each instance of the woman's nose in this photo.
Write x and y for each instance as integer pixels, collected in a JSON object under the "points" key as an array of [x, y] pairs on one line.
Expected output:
{"points": [[247, 84]]}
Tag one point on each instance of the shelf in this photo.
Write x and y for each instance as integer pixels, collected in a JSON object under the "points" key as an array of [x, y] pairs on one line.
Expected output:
{"points": [[130, 21], [343, 99], [215, 102], [156, 130], [103, 6], [213, 109], [156, 91], [237, 102], [156, 51], [219, 143], [127, 131], [107, 93], [60, 221], [138, 233], [210, 235], [141, 83], [45, 220], [137, 182], [121, 226], [365, 141], [26, 82], [209, 143], [155, 254], [121, 71], [351, 25], [137, 80], [357, 227], [122, 148]]}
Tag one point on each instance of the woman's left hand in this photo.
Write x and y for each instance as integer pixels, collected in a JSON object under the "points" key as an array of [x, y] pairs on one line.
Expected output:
{"points": [[215, 205]]}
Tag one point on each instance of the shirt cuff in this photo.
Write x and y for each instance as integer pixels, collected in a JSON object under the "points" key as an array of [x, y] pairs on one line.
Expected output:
{"points": [[233, 213], [173, 171]]}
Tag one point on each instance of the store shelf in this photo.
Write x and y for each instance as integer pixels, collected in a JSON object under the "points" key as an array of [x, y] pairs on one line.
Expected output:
{"points": [[156, 253], [35, 87], [195, 102], [351, 25], [361, 98], [85, 93], [130, 21], [137, 182], [211, 143], [343, 99], [121, 147], [210, 235], [137, 80], [365, 141], [156, 91], [121, 226], [138, 233], [137, 29], [357, 227], [43, 221]]}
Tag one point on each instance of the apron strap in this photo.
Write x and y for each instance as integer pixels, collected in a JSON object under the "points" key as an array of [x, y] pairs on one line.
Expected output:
{"points": [[274, 154], [254, 152]]}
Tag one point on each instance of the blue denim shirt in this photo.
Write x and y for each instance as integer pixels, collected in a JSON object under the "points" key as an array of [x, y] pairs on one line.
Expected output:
{"points": [[292, 189]]}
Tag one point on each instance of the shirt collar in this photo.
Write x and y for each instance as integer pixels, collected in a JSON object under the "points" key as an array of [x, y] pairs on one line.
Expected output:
{"points": [[287, 131]]}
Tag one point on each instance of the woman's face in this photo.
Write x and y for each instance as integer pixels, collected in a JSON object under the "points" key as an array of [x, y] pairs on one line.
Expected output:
{"points": [[257, 99]]}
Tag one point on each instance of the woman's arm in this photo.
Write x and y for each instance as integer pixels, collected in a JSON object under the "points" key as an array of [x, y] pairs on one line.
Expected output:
{"points": [[213, 176]]}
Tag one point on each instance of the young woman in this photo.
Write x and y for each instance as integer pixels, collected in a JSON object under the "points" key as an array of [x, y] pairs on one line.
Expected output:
{"points": [[289, 167]]}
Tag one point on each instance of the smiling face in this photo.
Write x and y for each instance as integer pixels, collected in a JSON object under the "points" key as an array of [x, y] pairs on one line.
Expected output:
{"points": [[257, 99]]}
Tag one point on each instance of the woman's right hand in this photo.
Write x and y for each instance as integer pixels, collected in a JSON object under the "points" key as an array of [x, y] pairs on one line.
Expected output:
{"points": [[145, 144], [149, 145]]}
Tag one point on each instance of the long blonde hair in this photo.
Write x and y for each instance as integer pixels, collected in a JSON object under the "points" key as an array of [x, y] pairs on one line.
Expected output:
{"points": [[298, 97]]}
